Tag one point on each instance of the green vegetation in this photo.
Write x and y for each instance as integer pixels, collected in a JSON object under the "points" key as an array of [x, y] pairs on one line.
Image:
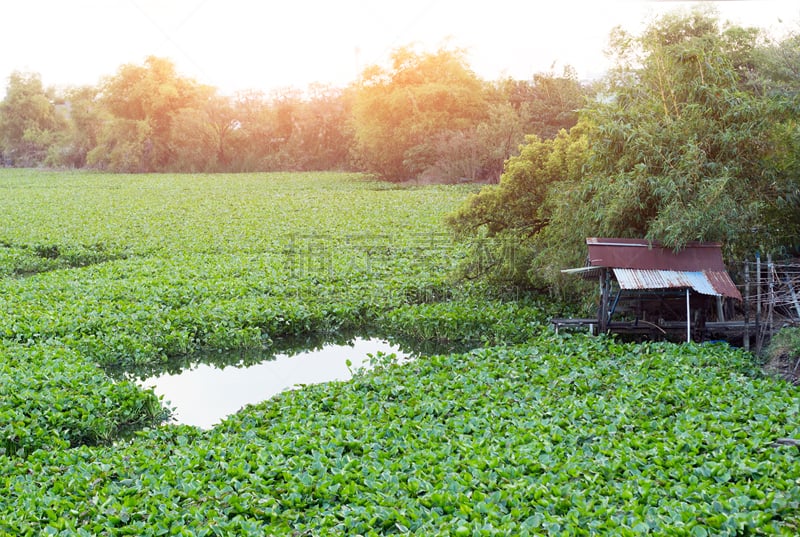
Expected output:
{"points": [[427, 116], [132, 271], [693, 137], [572, 435], [783, 354], [528, 434]]}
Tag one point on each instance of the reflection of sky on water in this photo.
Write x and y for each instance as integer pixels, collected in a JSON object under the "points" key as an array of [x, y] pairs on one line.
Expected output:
{"points": [[204, 395]]}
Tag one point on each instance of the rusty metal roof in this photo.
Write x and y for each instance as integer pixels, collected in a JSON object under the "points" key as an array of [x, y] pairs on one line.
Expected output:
{"points": [[704, 282], [640, 265], [642, 254]]}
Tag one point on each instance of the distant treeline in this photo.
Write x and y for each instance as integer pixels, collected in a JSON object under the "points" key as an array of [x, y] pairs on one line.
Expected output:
{"points": [[427, 116]]}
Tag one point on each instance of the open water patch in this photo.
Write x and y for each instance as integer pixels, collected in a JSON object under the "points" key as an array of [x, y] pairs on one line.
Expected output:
{"points": [[206, 392]]}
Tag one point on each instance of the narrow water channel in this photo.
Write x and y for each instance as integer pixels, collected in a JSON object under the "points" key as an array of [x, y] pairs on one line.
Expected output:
{"points": [[204, 394]]}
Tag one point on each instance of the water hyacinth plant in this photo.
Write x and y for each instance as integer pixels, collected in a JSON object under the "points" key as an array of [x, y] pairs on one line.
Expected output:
{"points": [[528, 433]]}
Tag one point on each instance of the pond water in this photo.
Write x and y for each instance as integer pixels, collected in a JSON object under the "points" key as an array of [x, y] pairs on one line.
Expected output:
{"points": [[203, 394]]}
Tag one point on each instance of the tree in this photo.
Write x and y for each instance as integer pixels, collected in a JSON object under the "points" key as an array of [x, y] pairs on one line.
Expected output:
{"points": [[321, 137], [144, 100], [256, 132], [682, 146], [201, 136], [84, 122], [546, 104], [124, 146], [505, 222], [543, 106], [691, 138], [29, 123], [396, 113], [777, 65], [286, 106]]}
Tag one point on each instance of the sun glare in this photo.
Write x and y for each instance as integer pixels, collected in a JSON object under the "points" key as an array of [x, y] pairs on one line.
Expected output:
{"points": [[238, 44]]}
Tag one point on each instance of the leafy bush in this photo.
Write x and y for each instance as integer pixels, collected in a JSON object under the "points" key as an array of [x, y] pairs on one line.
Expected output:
{"points": [[783, 353]]}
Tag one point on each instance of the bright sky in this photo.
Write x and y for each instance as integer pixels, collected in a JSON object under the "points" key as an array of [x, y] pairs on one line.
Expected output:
{"points": [[260, 44]]}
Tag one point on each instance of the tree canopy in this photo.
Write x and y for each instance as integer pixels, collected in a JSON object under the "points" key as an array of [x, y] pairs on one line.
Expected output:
{"points": [[682, 146], [29, 122], [425, 116], [693, 136], [397, 112], [430, 116], [148, 118]]}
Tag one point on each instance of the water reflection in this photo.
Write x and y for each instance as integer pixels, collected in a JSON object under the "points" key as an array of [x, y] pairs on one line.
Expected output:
{"points": [[204, 393]]}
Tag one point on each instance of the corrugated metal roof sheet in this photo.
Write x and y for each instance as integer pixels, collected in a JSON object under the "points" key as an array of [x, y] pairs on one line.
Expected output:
{"points": [[706, 282], [583, 271], [639, 264], [722, 282]]}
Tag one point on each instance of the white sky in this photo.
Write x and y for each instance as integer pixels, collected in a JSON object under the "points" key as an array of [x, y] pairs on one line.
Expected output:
{"points": [[266, 44]]}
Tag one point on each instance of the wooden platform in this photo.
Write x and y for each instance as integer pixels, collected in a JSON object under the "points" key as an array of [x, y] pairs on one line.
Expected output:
{"points": [[729, 330], [588, 324]]}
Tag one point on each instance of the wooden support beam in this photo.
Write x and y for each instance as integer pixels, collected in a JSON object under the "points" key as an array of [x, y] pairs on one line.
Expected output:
{"points": [[688, 318], [758, 302], [746, 337], [794, 295], [602, 321]]}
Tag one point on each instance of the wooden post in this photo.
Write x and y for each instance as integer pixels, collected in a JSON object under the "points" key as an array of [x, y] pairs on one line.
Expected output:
{"points": [[758, 299], [600, 303], [788, 282], [746, 337], [604, 296], [688, 318], [771, 287]]}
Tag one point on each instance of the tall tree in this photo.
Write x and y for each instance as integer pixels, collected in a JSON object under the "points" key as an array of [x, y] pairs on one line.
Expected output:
{"points": [[680, 145], [683, 144], [202, 136], [542, 106], [547, 103], [85, 117], [777, 68], [256, 135], [397, 112], [144, 99], [29, 123], [321, 137]]}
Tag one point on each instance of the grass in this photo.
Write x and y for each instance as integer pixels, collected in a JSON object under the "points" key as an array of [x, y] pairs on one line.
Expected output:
{"points": [[783, 354]]}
